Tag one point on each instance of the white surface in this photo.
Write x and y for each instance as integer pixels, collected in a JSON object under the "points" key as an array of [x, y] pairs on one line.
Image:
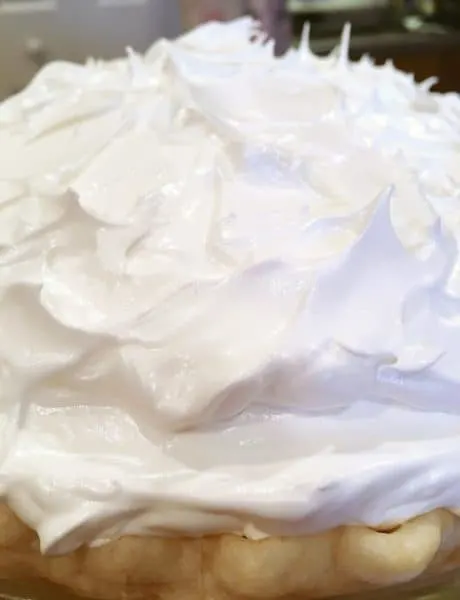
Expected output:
{"points": [[76, 29]]}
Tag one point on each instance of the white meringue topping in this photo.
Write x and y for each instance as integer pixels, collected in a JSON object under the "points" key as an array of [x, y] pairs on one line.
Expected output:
{"points": [[230, 294]]}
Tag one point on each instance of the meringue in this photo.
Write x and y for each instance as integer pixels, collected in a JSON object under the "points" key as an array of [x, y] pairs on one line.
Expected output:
{"points": [[229, 293]]}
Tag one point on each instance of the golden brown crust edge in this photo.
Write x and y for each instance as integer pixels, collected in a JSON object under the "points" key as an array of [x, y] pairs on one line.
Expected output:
{"points": [[228, 567]]}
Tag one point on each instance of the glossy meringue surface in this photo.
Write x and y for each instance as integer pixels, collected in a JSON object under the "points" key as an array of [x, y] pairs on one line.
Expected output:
{"points": [[229, 293]]}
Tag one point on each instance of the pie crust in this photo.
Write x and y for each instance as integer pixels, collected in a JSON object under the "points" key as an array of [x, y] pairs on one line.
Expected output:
{"points": [[227, 567]]}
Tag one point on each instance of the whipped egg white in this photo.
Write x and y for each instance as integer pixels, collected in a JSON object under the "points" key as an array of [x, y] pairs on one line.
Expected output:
{"points": [[229, 293]]}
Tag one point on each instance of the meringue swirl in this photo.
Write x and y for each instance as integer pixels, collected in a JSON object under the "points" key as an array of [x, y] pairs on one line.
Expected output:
{"points": [[230, 295]]}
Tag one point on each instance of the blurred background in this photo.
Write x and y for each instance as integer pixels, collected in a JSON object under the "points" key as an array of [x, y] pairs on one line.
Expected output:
{"points": [[421, 36]]}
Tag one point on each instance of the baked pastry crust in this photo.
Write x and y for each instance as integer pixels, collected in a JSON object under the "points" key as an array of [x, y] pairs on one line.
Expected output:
{"points": [[228, 567]]}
